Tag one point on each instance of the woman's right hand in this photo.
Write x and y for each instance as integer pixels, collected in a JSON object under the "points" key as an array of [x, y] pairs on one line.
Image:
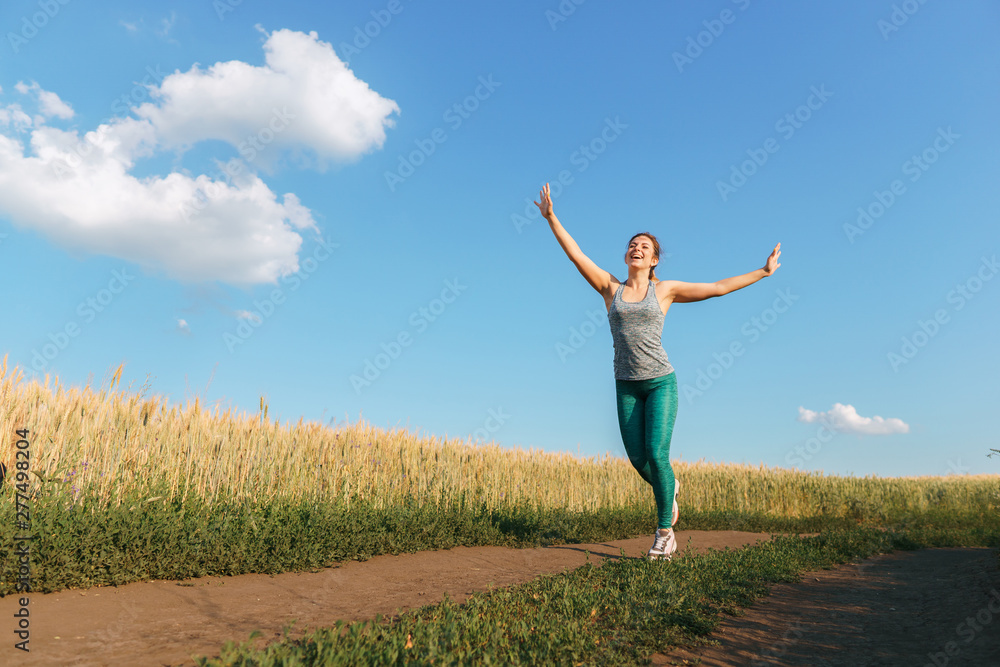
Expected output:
{"points": [[546, 204]]}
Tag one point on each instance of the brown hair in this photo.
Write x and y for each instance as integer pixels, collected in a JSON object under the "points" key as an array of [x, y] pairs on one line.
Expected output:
{"points": [[656, 251]]}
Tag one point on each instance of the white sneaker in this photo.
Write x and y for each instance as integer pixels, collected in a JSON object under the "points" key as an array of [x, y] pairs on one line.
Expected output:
{"points": [[663, 545], [677, 513]]}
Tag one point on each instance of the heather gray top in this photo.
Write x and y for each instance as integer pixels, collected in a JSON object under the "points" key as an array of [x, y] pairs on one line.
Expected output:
{"points": [[637, 328]]}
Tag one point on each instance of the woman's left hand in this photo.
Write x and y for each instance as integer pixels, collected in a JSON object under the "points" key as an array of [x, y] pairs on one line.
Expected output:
{"points": [[772, 261]]}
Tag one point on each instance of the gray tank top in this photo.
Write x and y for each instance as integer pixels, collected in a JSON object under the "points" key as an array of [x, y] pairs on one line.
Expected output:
{"points": [[637, 328]]}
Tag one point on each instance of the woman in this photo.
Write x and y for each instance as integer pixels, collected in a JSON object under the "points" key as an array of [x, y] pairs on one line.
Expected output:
{"points": [[644, 379]]}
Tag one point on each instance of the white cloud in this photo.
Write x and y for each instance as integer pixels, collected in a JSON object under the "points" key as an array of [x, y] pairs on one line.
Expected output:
{"points": [[247, 315], [845, 418], [48, 102], [79, 192], [166, 25], [131, 27], [183, 327], [241, 234], [14, 117], [304, 97]]}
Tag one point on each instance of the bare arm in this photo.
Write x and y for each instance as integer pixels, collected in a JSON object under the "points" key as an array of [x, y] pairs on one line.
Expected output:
{"points": [[682, 292], [599, 279]]}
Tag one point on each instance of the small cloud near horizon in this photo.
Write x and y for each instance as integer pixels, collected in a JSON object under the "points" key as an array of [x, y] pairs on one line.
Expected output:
{"points": [[845, 419]]}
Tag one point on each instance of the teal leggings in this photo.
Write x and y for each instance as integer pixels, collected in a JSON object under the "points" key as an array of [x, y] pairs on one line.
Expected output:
{"points": [[646, 413]]}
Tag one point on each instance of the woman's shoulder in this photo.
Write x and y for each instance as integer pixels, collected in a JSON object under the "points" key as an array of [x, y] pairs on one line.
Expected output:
{"points": [[663, 287]]}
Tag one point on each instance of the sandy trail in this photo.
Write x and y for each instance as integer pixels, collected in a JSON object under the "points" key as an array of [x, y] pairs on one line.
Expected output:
{"points": [[896, 609], [932, 607], [166, 622]]}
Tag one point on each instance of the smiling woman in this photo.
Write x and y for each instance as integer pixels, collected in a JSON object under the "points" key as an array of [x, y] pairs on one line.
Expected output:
{"points": [[645, 382]]}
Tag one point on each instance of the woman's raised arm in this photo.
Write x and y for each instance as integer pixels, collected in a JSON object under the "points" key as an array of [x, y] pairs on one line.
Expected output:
{"points": [[599, 279], [682, 292]]}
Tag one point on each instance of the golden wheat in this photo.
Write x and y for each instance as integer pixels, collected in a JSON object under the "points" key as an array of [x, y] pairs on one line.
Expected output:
{"points": [[118, 442]]}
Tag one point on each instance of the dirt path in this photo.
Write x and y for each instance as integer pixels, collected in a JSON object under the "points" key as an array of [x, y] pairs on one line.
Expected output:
{"points": [[166, 622], [933, 607], [889, 610]]}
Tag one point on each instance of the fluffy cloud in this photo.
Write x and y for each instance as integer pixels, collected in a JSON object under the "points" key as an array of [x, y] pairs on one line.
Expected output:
{"points": [[303, 97], [845, 418], [48, 102], [79, 192], [13, 116], [238, 233]]}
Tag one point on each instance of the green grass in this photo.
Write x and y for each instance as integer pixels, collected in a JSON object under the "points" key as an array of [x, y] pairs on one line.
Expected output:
{"points": [[82, 543], [79, 546], [619, 613]]}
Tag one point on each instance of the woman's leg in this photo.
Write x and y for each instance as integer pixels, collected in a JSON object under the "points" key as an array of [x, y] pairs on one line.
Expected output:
{"points": [[632, 424], [661, 412]]}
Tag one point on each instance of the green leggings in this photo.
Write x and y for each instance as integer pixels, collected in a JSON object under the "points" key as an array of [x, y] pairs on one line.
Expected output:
{"points": [[646, 413]]}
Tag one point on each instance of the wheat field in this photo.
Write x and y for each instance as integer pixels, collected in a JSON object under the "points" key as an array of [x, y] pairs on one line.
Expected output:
{"points": [[118, 443]]}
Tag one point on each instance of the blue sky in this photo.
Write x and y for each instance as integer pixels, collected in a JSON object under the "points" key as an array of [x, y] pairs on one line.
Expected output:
{"points": [[285, 195]]}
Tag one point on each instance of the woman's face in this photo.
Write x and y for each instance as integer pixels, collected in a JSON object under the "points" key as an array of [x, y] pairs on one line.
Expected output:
{"points": [[640, 253]]}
